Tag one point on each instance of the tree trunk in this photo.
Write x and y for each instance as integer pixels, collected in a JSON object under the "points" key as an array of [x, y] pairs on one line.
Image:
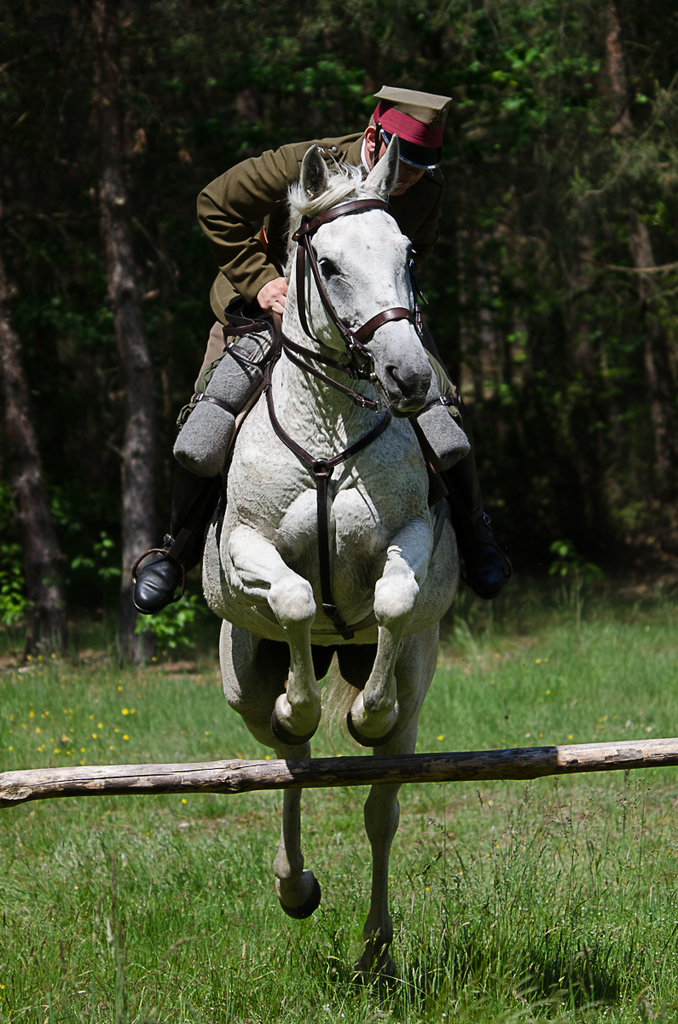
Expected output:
{"points": [[42, 559], [657, 363], [614, 61], [660, 383], [138, 450]]}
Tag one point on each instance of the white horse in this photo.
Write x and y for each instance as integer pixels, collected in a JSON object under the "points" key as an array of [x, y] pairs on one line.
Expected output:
{"points": [[391, 577]]}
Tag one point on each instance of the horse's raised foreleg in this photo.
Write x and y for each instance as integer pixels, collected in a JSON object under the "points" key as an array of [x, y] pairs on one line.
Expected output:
{"points": [[414, 670], [254, 673], [373, 717], [258, 574]]}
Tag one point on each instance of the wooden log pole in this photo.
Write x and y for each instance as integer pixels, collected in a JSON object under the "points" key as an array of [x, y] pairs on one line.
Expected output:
{"points": [[235, 776]]}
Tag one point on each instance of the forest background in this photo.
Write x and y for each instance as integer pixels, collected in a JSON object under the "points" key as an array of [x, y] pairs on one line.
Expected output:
{"points": [[552, 291]]}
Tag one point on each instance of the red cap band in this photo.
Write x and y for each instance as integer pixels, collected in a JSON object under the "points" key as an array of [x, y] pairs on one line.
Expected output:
{"points": [[408, 128]]}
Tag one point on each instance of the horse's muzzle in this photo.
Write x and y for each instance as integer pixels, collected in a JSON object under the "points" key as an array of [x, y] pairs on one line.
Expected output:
{"points": [[406, 388]]}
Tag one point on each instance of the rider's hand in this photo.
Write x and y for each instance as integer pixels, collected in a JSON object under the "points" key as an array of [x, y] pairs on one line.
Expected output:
{"points": [[273, 295]]}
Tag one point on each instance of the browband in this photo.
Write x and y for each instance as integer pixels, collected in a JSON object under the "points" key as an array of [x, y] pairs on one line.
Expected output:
{"points": [[309, 227]]}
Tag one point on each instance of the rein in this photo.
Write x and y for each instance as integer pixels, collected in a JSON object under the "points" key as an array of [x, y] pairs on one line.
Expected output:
{"points": [[290, 349]]}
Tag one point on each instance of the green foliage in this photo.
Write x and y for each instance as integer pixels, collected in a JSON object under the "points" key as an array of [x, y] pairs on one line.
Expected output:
{"points": [[13, 600], [575, 571], [103, 551], [568, 562], [92, 555], [174, 626]]}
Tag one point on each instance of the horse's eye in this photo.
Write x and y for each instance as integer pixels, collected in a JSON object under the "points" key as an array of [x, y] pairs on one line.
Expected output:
{"points": [[328, 268]]}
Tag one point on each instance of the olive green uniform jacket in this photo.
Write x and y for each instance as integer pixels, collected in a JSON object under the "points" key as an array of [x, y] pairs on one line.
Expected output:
{"points": [[232, 208]]}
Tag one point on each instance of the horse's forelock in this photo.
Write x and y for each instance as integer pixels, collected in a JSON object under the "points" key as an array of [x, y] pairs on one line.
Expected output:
{"points": [[344, 184]]}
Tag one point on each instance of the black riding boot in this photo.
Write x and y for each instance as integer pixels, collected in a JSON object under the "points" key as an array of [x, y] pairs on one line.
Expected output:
{"points": [[486, 567], [193, 503]]}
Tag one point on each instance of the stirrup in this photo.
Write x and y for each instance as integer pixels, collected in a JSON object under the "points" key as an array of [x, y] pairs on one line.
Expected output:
{"points": [[165, 552]]}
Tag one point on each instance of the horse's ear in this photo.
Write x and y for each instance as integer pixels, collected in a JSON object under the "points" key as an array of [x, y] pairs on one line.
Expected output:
{"points": [[313, 178], [384, 174]]}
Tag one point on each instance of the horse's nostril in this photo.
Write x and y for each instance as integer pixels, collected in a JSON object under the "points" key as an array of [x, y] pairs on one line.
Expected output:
{"points": [[408, 384], [404, 383]]}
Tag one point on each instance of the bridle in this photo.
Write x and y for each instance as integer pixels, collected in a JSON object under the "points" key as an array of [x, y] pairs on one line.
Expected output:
{"points": [[360, 362], [302, 236], [359, 367]]}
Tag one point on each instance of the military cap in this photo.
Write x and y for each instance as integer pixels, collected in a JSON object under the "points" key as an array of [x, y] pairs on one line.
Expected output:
{"points": [[418, 119]]}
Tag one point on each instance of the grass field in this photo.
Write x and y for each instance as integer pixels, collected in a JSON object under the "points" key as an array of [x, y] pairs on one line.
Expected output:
{"points": [[513, 902]]}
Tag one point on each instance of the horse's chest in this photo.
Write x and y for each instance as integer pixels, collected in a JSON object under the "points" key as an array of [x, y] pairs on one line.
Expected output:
{"points": [[356, 526], [367, 500]]}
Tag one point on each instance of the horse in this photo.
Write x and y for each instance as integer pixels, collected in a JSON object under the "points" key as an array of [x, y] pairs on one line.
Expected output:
{"points": [[327, 543]]}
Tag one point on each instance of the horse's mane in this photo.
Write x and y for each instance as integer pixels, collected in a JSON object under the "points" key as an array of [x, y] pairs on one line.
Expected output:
{"points": [[345, 183]]}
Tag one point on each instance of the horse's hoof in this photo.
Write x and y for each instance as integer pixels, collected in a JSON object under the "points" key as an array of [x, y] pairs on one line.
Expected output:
{"points": [[283, 736], [307, 908], [369, 741], [384, 972]]}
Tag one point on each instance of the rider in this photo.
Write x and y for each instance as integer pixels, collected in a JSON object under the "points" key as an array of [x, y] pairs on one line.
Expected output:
{"points": [[251, 281]]}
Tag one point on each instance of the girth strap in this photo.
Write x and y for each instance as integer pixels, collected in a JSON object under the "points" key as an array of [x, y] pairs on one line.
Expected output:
{"points": [[322, 471]]}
